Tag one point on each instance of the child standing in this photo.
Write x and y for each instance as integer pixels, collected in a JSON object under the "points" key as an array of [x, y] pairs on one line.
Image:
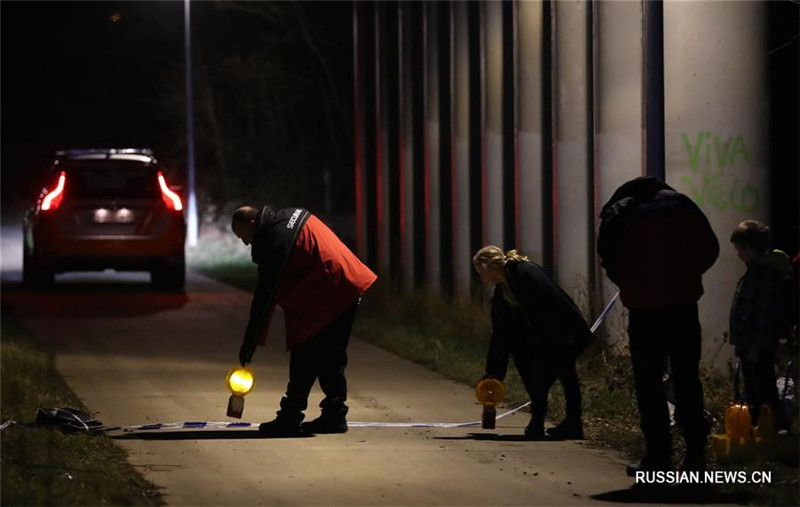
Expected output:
{"points": [[757, 317]]}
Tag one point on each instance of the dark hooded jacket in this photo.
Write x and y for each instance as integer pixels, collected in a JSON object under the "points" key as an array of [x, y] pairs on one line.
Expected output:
{"points": [[533, 319], [655, 244], [759, 313], [306, 269]]}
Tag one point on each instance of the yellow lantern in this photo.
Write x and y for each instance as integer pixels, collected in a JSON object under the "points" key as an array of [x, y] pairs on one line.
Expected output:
{"points": [[737, 421], [489, 392], [240, 381]]}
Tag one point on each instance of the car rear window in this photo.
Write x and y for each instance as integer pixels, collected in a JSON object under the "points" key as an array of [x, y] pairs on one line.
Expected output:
{"points": [[111, 179]]}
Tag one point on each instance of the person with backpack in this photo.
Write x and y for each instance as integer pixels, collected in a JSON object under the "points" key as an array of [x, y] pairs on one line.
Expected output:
{"points": [[655, 244], [537, 323], [759, 316]]}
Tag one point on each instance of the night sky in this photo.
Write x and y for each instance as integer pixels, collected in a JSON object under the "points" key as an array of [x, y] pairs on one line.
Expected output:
{"points": [[82, 74], [111, 74]]}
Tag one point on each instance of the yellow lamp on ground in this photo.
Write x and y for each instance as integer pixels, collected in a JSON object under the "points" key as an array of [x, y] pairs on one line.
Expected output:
{"points": [[490, 392], [738, 424], [240, 381]]}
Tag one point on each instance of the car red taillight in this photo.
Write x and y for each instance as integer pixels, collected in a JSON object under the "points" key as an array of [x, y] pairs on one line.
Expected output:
{"points": [[52, 200], [170, 198]]}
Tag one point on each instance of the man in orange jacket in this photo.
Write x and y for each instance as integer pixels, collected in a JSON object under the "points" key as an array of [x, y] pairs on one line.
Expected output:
{"points": [[306, 269]]}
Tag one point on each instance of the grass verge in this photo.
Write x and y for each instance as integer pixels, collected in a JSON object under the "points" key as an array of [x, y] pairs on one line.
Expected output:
{"points": [[223, 257], [451, 337], [42, 466]]}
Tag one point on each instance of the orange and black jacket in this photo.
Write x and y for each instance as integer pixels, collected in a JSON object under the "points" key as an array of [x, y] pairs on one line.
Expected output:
{"points": [[307, 270]]}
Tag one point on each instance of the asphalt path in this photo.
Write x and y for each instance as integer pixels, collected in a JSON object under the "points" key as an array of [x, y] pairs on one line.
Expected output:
{"points": [[136, 356]]}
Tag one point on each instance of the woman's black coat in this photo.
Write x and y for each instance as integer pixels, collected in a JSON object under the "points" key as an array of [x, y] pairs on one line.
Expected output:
{"points": [[540, 322]]}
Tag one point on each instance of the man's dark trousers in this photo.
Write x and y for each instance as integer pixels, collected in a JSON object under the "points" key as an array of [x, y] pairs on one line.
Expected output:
{"points": [[323, 357], [656, 335]]}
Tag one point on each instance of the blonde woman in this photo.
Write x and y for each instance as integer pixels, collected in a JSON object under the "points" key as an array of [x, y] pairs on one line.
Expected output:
{"points": [[537, 323]]}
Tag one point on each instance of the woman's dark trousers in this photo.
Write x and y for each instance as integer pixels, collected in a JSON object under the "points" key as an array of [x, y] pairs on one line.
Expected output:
{"points": [[539, 372]]}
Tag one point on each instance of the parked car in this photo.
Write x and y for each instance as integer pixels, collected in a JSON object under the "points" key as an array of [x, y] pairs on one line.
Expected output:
{"points": [[105, 209]]}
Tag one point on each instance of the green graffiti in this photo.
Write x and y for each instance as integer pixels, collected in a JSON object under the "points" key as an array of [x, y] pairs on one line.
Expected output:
{"points": [[747, 198], [715, 151], [715, 185], [711, 192]]}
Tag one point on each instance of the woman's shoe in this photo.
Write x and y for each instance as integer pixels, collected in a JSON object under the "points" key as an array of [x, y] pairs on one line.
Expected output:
{"points": [[567, 430]]}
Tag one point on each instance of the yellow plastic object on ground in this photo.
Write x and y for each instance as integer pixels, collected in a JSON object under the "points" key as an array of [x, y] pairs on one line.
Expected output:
{"points": [[240, 380], [489, 392], [754, 449], [725, 447], [737, 421]]}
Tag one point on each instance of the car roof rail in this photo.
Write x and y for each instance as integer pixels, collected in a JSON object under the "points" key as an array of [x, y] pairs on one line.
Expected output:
{"points": [[108, 152]]}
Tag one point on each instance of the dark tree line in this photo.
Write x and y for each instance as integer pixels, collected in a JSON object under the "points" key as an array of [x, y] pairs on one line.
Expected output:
{"points": [[272, 96]]}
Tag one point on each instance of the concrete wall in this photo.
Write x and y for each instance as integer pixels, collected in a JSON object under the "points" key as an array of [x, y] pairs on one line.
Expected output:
{"points": [[382, 148], [407, 127], [578, 95], [572, 247], [493, 168], [432, 140], [716, 112], [618, 119], [529, 113], [462, 264]]}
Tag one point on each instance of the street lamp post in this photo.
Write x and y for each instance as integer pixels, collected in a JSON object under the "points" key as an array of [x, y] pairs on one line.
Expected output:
{"points": [[192, 207]]}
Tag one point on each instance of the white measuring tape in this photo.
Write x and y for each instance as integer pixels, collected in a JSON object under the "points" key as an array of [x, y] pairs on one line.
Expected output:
{"points": [[604, 313], [356, 424]]}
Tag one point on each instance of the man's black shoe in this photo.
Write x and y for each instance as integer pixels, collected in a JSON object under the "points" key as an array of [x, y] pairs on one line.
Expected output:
{"points": [[566, 431], [322, 425], [649, 465], [278, 428]]}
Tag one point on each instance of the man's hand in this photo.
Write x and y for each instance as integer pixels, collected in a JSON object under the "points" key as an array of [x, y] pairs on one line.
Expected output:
{"points": [[245, 355]]}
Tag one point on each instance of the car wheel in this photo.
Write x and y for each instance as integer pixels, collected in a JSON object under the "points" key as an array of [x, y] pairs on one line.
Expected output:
{"points": [[28, 269], [34, 274], [169, 273]]}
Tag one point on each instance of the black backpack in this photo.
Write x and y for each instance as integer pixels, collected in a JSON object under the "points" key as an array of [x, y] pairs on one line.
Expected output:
{"points": [[68, 420], [615, 213]]}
